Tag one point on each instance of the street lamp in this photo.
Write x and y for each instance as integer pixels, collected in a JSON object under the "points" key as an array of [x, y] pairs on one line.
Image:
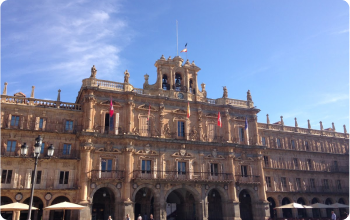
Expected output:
{"points": [[37, 149]]}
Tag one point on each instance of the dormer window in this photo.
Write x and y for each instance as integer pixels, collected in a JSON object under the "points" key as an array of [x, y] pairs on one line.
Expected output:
{"points": [[165, 84]]}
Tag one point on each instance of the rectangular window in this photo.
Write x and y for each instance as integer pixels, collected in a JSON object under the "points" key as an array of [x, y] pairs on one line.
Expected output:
{"points": [[11, 146], [6, 176], [241, 134], [278, 143], [66, 149], [42, 148], [325, 183], [64, 175], [145, 127], [306, 144], [295, 163], [283, 181], [106, 165], [298, 181], [211, 132], [292, 142], [38, 176], [181, 129], [214, 169], [41, 123], [312, 183], [146, 166], [335, 163], [263, 141], [69, 125], [309, 164], [181, 168], [244, 171], [266, 161], [14, 121], [338, 184], [268, 181]]}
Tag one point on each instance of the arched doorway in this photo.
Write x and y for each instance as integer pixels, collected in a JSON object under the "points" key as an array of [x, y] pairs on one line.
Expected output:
{"points": [[287, 213], [272, 205], [6, 200], [316, 213], [301, 212], [144, 203], [328, 202], [245, 206], [36, 214], [58, 214], [215, 205], [103, 204], [181, 205], [342, 211]]}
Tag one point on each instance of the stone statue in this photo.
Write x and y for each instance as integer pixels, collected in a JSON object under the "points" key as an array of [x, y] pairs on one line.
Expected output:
{"points": [[126, 76], [167, 131], [249, 96], [225, 95], [93, 71]]}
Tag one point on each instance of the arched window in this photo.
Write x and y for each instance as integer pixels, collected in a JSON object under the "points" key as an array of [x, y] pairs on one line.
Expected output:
{"points": [[165, 84], [178, 80]]}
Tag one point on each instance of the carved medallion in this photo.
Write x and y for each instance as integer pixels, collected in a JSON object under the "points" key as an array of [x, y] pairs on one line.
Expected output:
{"points": [[214, 153]]}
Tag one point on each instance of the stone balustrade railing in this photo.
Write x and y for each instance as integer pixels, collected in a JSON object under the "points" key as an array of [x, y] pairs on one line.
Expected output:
{"points": [[40, 103]]}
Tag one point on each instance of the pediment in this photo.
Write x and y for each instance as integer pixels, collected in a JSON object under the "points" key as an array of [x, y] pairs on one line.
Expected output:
{"points": [[180, 111], [211, 115], [115, 104], [20, 94], [220, 157], [146, 107], [151, 152], [178, 154]]}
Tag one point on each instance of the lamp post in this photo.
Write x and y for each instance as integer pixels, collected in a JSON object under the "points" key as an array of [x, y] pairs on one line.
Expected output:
{"points": [[37, 149]]}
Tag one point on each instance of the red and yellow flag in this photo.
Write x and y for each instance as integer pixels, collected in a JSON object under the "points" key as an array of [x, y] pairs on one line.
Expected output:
{"points": [[188, 110], [219, 120]]}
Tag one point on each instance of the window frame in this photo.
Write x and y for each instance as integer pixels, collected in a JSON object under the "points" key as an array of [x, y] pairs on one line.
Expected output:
{"points": [[284, 181], [292, 144], [69, 124], [65, 178], [263, 141], [312, 183], [241, 134], [181, 168], [12, 148], [214, 169], [106, 165], [8, 176], [67, 147], [298, 182], [181, 134], [266, 161], [278, 143], [244, 171], [268, 181], [146, 166], [16, 121]]}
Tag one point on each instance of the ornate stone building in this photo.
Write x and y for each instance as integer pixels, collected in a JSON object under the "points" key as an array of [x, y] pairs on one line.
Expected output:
{"points": [[150, 158]]}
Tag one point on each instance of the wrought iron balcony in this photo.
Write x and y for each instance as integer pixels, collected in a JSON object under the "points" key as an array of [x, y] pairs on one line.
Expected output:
{"points": [[247, 179], [107, 174], [58, 153], [182, 176], [309, 189]]}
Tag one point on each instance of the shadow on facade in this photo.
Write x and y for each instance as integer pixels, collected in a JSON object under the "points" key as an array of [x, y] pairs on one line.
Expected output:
{"points": [[103, 204], [245, 206], [36, 214]]}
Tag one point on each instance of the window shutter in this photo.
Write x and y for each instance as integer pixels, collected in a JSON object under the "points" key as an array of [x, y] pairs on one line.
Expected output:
{"points": [[71, 179], [37, 121], [43, 179], [44, 124], [116, 123], [56, 179], [99, 168], [21, 121], [9, 121], [15, 179]]}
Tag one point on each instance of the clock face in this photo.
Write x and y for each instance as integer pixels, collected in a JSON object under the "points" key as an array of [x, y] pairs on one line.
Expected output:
{"points": [[180, 96], [48, 196], [18, 196]]}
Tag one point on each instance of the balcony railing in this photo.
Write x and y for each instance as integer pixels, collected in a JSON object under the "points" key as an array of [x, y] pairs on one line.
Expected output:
{"points": [[182, 176], [107, 174], [309, 189], [58, 153], [247, 179], [44, 184], [335, 169]]}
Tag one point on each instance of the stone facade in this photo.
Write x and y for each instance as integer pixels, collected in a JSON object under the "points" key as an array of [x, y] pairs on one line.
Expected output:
{"points": [[151, 158]]}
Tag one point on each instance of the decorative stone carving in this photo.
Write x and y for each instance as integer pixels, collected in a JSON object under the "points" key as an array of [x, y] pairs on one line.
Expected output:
{"points": [[126, 77], [193, 134], [167, 131], [225, 95], [93, 72], [147, 148], [249, 96], [214, 153]]}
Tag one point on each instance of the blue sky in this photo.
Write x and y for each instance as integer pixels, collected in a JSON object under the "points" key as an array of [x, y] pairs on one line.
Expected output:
{"points": [[292, 55]]}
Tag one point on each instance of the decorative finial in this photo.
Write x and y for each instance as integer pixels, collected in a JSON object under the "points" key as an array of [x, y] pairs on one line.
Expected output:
{"points": [[333, 126], [321, 126], [162, 57], [225, 95], [59, 96], [193, 63], [345, 129], [126, 76], [282, 122], [32, 93], [249, 96], [308, 124], [169, 58], [267, 119], [5, 89], [296, 122], [93, 71]]}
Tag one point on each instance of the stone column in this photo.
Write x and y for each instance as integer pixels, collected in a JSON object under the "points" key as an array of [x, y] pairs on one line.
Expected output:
{"points": [[172, 76], [46, 215], [227, 127], [16, 215], [89, 112], [161, 120], [160, 78], [279, 213], [233, 203], [130, 123], [200, 126]]}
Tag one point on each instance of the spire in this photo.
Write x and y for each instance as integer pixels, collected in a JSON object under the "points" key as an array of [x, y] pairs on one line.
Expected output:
{"points": [[5, 89], [249, 96], [59, 96], [333, 126], [308, 124], [296, 122], [267, 119], [345, 129], [32, 94], [282, 122], [321, 126]]}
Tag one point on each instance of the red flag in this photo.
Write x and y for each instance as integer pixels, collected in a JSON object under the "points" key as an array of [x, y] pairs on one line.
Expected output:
{"points": [[219, 120], [111, 110], [184, 50], [149, 112], [188, 110]]}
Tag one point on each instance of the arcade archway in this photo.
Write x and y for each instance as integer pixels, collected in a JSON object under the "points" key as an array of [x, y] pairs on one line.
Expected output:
{"points": [[245, 206], [58, 214], [144, 203], [36, 214], [342, 211], [301, 212], [287, 213], [103, 204], [6, 200], [272, 205], [316, 212], [215, 205], [181, 205]]}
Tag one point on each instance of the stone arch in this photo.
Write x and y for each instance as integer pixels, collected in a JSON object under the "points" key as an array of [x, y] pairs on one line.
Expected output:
{"points": [[147, 185], [222, 191], [316, 212], [6, 200], [253, 193], [38, 203], [287, 213], [113, 188], [59, 195], [195, 193], [302, 212]]}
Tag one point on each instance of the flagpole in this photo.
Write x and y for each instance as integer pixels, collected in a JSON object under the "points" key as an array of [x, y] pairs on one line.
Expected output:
{"points": [[177, 39]]}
